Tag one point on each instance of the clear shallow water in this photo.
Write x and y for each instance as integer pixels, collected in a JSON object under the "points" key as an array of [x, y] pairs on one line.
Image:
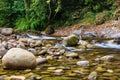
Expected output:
{"points": [[71, 71]]}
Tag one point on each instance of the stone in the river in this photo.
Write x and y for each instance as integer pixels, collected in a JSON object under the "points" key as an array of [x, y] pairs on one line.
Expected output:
{"points": [[83, 63], [2, 51], [7, 31], [32, 50], [38, 43], [92, 76], [100, 69], [71, 40], [1, 78], [17, 78], [71, 54], [17, 58], [58, 72], [33, 78], [42, 52], [90, 34], [110, 71], [41, 60], [117, 40], [21, 45], [90, 46], [108, 58], [107, 74]]}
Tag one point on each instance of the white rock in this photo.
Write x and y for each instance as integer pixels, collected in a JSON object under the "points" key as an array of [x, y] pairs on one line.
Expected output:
{"points": [[83, 63]]}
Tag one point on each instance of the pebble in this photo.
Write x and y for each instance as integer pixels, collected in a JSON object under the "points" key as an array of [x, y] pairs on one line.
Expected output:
{"points": [[41, 60], [58, 72], [52, 68], [71, 54], [83, 63], [17, 78], [107, 74], [92, 76], [33, 78], [42, 52], [107, 58], [100, 69], [110, 71]]}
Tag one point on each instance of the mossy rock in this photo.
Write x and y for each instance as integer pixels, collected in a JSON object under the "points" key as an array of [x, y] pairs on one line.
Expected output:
{"points": [[71, 40], [49, 30]]}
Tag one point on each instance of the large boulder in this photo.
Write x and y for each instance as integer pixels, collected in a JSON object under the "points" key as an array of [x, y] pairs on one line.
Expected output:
{"points": [[7, 31], [17, 58], [71, 40]]}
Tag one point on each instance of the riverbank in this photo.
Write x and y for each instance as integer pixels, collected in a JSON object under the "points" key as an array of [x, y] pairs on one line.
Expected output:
{"points": [[109, 29]]}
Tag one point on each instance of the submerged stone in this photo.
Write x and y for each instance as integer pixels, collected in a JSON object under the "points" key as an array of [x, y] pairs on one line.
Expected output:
{"points": [[92, 76], [83, 63]]}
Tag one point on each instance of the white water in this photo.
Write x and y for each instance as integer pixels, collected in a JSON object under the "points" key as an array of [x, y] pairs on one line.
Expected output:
{"points": [[108, 45], [39, 37]]}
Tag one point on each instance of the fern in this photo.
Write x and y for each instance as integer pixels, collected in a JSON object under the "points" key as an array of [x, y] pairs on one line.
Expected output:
{"points": [[22, 24]]}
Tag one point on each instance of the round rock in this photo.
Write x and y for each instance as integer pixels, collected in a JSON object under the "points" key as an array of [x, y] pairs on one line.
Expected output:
{"points": [[17, 58], [7, 31]]}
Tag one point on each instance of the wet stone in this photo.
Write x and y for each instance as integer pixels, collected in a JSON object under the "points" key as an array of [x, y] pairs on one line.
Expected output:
{"points": [[93, 76], [100, 69], [107, 74], [83, 63], [41, 60], [33, 78], [1, 78], [71, 54], [52, 68], [17, 78], [108, 58]]}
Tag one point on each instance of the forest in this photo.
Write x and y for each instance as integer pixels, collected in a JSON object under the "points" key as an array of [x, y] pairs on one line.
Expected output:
{"points": [[38, 14]]}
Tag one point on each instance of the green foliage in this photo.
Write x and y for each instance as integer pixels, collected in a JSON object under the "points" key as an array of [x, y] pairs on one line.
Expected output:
{"points": [[22, 24], [37, 14], [89, 17], [103, 16]]}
